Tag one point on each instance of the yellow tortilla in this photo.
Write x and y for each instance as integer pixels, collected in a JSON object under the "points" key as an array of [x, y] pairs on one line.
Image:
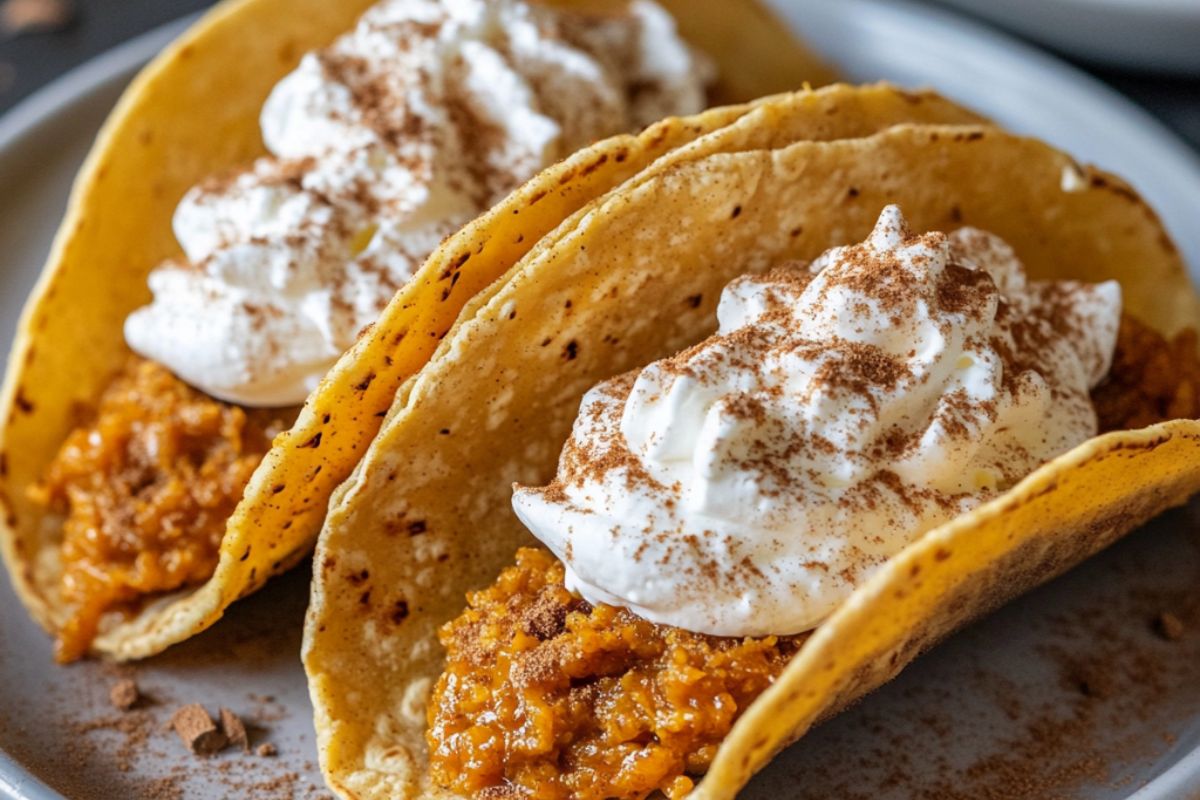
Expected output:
{"points": [[756, 52], [634, 277], [1063, 513], [186, 117]]}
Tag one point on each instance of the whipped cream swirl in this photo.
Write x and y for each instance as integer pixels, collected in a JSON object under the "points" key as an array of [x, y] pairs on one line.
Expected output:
{"points": [[381, 145], [746, 486]]}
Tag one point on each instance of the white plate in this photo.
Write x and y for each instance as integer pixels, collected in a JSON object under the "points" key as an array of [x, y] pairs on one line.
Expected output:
{"points": [[951, 723], [1159, 35]]}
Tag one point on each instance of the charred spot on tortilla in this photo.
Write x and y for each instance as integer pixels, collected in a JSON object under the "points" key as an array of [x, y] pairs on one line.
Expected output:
{"points": [[314, 442]]}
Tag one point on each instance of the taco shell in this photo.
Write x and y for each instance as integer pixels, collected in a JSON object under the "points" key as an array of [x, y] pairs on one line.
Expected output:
{"points": [[189, 116], [635, 276]]}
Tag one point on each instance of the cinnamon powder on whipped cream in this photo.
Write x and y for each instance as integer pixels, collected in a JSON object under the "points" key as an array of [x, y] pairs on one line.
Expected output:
{"points": [[746, 485], [381, 145]]}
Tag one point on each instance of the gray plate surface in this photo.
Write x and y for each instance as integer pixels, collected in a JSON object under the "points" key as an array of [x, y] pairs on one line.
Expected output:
{"points": [[1066, 693]]}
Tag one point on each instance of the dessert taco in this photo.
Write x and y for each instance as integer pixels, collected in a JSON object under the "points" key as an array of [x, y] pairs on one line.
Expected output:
{"points": [[780, 417], [155, 461]]}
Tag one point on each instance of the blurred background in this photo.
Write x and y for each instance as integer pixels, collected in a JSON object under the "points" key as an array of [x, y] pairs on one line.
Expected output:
{"points": [[40, 39]]}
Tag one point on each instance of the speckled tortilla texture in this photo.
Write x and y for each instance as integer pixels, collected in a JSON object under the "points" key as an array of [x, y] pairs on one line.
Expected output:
{"points": [[635, 276], [189, 116]]}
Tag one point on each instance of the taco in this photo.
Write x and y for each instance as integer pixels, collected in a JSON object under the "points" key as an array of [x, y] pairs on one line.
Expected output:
{"points": [[144, 494], [733, 544]]}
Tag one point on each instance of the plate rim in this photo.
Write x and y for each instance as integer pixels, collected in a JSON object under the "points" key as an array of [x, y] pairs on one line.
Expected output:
{"points": [[1139, 8], [1168, 166], [1143, 36], [43, 104]]}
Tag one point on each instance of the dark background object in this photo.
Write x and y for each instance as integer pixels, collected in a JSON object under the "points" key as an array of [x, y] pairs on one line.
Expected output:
{"points": [[28, 61], [1176, 101], [31, 60]]}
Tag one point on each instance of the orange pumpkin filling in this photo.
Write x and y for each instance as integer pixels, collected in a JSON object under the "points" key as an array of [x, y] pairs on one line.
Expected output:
{"points": [[546, 696], [146, 490], [1152, 379]]}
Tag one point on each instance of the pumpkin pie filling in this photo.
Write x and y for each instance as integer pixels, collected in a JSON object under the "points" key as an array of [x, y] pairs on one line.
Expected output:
{"points": [[1152, 378], [146, 489], [547, 696]]}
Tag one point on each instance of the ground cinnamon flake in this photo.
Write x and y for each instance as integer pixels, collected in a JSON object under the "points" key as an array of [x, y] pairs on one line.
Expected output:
{"points": [[234, 730], [124, 694], [198, 730]]}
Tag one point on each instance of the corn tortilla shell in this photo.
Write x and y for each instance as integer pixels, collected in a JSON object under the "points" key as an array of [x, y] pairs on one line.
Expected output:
{"points": [[830, 113], [757, 55], [189, 116], [426, 515], [1065, 512]]}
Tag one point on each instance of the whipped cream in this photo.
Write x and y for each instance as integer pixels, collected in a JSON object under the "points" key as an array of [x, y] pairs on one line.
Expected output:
{"points": [[746, 486], [382, 145]]}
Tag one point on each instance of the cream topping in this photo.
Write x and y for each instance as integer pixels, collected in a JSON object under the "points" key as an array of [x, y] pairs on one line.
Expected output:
{"points": [[747, 485], [424, 115]]}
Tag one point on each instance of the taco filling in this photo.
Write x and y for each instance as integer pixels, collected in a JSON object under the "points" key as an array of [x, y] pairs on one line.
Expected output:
{"points": [[381, 145], [148, 487], [712, 509]]}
